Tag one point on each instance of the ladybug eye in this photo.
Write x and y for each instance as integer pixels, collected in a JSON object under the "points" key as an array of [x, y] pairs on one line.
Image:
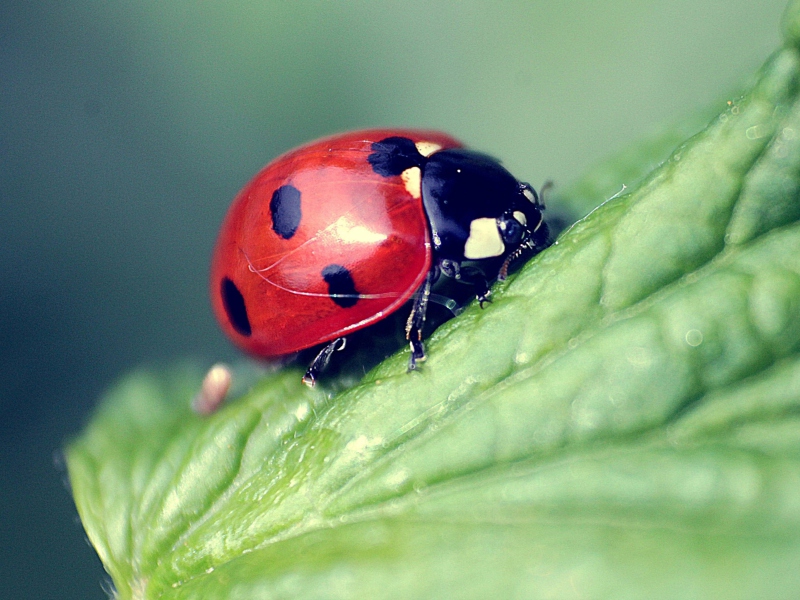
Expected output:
{"points": [[512, 228]]}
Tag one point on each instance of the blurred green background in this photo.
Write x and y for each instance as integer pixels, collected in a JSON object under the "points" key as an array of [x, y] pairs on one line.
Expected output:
{"points": [[127, 127]]}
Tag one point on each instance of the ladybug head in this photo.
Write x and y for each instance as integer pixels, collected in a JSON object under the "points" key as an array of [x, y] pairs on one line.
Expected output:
{"points": [[522, 227]]}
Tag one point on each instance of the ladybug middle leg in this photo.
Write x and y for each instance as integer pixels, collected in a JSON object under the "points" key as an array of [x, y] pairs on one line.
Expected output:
{"points": [[320, 363], [416, 320]]}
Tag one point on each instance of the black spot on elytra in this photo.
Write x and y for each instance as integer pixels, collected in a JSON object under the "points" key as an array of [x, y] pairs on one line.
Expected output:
{"points": [[393, 155], [341, 287], [285, 210], [233, 302]]}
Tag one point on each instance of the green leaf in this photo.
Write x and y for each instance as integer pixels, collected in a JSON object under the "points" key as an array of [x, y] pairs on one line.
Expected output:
{"points": [[622, 421]]}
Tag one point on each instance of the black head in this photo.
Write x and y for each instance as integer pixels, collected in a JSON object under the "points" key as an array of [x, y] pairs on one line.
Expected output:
{"points": [[477, 209]]}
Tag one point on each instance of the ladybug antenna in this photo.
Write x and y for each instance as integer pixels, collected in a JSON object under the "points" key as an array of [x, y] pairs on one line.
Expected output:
{"points": [[530, 193], [546, 187]]}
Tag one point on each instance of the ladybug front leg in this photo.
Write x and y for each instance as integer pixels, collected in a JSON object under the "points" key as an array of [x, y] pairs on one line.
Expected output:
{"points": [[480, 285], [320, 363], [416, 321], [470, 276]]}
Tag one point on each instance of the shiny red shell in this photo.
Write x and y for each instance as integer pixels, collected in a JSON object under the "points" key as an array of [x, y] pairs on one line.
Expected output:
{"points": [[373, 226]]}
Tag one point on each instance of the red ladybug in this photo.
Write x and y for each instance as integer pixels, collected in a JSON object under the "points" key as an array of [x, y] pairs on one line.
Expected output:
{"points": [[338, 234]]}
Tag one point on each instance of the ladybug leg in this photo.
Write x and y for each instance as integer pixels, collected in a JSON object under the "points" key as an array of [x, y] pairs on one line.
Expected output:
{"points": [[477, 279], [416, 320], [450, 268], [470, 276], [320, 363]]}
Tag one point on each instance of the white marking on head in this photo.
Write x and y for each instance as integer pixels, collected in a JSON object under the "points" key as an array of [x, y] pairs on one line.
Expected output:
{"points": [[528, 193], [520, 216], [484, 240], [427, 148], [412, 179]]}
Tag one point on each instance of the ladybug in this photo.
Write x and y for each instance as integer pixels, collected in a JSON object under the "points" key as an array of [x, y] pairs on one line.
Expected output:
{"points": [[338, 234]]}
